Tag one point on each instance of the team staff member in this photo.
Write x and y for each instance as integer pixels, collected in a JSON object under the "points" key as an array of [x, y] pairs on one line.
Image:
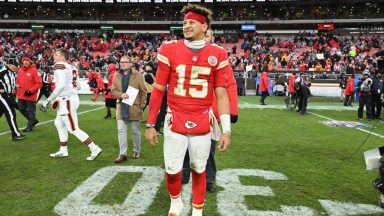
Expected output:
{"points": [[110, 100], [46, 88], [377, 90], [349, 91], [128, 76], [302, 91], [210, 168], [28, 83], [264, 86], [193, 74], [66, 103], [7, 99], [364, 90]]}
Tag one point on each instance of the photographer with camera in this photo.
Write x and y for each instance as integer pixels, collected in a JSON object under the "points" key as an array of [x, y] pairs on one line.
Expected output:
{"points": [[364, 90], [303, 92], [376, 89]]}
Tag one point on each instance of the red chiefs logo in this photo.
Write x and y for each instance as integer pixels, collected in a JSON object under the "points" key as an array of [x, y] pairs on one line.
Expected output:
{"points": [[212, 60], [190, 125]]}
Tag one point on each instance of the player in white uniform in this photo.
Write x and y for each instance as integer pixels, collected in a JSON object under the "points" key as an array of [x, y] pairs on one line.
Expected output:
{"points": [[66, 104]]}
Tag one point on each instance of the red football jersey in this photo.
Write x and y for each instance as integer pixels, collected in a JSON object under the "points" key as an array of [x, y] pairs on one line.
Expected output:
{"points": [[191, 76]]}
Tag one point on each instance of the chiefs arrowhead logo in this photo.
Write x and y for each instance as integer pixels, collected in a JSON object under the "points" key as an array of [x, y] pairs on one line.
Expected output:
{"points": [[190, 125]]}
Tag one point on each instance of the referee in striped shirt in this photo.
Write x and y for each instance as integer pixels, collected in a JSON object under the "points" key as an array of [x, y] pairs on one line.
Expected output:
{"points": [[7, 100]]}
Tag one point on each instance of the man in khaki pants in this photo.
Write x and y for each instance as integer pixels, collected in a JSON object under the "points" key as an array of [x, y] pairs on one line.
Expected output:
{"points": [[128, 76]]}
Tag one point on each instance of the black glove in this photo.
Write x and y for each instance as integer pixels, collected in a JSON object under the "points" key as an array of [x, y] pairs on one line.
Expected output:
{"points": [[27, 93], [233, 119]]}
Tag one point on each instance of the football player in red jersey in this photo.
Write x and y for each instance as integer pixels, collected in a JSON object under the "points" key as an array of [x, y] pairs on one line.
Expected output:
{"points": [[193, 70]]}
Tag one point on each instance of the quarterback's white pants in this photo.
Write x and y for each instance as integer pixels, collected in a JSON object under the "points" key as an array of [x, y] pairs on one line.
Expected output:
{"points": [[176, 145], [66, 119]]}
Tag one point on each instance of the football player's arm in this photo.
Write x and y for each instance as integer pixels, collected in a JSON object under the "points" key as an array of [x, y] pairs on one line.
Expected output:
{"points": [[220, 82], [232, 95], [225, 119], [60, 84]]}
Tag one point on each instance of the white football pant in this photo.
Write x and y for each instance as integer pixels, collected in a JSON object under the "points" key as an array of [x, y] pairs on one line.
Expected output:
{"points": [[175, 147]]}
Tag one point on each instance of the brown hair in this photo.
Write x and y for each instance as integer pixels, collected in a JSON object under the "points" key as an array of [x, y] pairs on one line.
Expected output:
{"points": [[207, 13], [64, 52]]}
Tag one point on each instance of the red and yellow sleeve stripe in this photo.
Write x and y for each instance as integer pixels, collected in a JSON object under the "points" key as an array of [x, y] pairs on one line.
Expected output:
{"points": [[222, 64], [163, 59]]}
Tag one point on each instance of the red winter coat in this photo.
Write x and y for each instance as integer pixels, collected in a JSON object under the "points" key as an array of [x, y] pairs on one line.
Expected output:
{"points": [[264, 84], [100, 81], [28, 79], [232, 96], [349, 89], [112, 71]]}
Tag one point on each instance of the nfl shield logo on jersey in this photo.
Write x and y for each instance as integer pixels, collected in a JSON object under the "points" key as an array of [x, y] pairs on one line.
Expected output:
{"points": [[190, 124], [212, 60]]}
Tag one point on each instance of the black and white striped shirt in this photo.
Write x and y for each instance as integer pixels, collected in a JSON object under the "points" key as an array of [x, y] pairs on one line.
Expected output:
{"points": [[44, 77], [7, 79]]}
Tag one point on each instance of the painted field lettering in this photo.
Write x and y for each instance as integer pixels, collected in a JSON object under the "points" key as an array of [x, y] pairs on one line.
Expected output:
{"points": [[137, 202], [230, 202]]}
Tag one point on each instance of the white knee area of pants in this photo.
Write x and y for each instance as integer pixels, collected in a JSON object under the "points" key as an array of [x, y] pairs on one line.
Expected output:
{"points": [[198, 167], [81, 135], [61, 130], [175, 147]]}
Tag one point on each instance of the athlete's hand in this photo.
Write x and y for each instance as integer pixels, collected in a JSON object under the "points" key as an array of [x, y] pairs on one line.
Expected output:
{"points": [[43, 107], [225, 140], [151, 136]]}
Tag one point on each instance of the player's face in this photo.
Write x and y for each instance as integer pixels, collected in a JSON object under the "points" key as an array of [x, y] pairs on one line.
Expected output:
{"points": [[193, 30], [57, 56], [208, 37]]}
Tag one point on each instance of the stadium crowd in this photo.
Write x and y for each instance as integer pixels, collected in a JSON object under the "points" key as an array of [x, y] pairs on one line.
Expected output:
{"points": [[293, 11], [319, 53]]}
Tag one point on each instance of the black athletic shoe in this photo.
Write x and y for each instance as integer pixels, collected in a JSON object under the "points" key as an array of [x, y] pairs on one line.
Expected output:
{"points": [[17, 138], [211, 187], [27, 129]]}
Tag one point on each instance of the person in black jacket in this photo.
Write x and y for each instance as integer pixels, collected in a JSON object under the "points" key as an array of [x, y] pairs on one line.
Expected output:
{"points": [[376, 89], [8, 102], [364, 89], [302, 91], [46, 88], [342, 85]]}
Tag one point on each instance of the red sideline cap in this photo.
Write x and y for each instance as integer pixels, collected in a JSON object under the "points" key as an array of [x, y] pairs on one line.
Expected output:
{"points": [[195, 16]]}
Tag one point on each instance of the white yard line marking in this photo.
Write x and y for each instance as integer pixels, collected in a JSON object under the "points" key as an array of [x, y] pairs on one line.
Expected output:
{"points": [[360, 129], [247, 105], [49, 121]]}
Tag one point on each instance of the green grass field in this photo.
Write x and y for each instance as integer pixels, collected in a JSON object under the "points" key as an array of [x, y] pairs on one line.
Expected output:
{"points": [[316, 160]]}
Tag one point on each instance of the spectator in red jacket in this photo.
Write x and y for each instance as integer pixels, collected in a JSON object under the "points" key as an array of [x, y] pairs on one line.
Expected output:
{"points": [[100, 86], [264, 86], [291, 83], [92, 82], [28, 83], [110, 100], [349, 91]]}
